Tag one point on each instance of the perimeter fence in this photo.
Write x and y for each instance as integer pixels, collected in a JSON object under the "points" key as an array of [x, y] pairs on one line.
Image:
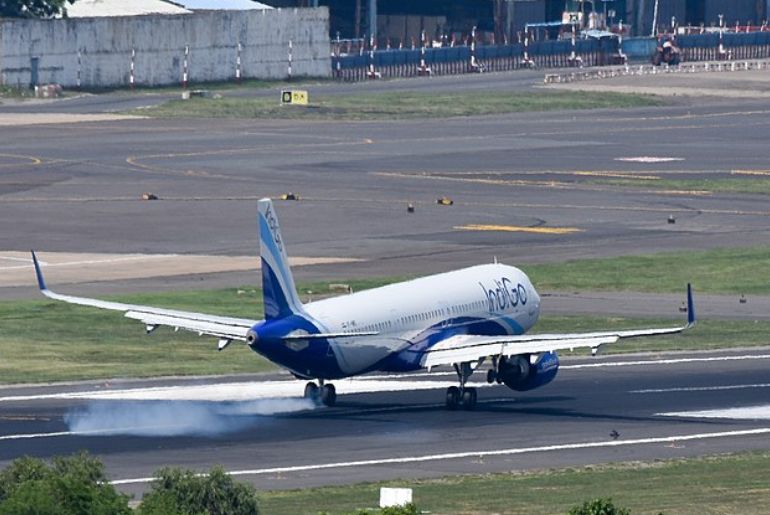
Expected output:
{"points": [[369, 63]]}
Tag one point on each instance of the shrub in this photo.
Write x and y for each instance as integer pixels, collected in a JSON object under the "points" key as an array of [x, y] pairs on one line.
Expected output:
{"points": [[407, 509], [598, 507], [72, 485], [184, 492]]}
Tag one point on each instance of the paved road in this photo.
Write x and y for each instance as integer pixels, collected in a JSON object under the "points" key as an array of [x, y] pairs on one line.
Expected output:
{"points": [[400, 429]]}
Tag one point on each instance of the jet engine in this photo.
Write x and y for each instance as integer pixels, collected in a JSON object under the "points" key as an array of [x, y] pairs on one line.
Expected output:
{"points": [[527, 371]]}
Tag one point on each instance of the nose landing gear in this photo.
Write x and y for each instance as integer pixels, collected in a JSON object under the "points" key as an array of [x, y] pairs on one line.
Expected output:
{"points": [[464, 396]]}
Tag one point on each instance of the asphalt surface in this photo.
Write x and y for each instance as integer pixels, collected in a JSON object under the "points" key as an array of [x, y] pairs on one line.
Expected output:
{"points": [[397, 434], [76, 187]]}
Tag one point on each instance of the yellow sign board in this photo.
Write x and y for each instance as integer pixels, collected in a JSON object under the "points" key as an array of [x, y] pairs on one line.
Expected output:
{"points": [[294, 96]]}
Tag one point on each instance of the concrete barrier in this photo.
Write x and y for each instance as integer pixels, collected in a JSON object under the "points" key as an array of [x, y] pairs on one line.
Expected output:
{"points": [[97, 52], [648, 69]]}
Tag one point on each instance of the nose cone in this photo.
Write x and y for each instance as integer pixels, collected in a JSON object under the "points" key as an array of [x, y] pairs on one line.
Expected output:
{"points": [[534, 304]]}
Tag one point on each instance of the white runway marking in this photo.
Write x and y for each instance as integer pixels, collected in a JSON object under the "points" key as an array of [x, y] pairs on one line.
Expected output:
{"points": [[45, 264], [21, 260], [649, 159], [480, 454], [240, 391], [672, 361], [703, 388], [29, 436], [744, 413], [244, 391]]}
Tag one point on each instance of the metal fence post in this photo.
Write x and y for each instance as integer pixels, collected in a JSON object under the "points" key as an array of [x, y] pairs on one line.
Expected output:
{"points": [[289, 70], [185, 64], [238, 71], [131, 78], [80, 68]]}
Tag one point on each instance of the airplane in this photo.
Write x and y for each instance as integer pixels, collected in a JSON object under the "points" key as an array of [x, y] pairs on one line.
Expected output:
{"points": [[459, 319]]}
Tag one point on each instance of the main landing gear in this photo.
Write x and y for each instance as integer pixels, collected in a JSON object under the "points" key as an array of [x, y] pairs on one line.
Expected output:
{"points": [[464, 396], [326, 394]]}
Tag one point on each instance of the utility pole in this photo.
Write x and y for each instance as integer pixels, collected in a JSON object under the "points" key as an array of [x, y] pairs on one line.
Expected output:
{"points": [[357, 21], [373, 19]]}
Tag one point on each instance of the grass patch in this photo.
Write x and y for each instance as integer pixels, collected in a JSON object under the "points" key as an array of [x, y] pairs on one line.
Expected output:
{"points": [[45, 340], [16, 93], [732, 270], [246, 84], [401, 105], [721, 484], [759, 186], [706, 335]]}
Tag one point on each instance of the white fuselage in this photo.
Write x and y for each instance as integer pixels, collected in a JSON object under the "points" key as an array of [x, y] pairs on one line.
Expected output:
{"points": [[486, 299]]}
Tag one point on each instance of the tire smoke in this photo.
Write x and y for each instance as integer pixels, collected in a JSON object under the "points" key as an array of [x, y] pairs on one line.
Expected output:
{"points": [[177, 418]]}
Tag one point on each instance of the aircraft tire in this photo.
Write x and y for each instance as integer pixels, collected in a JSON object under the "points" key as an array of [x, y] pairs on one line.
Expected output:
{"points": [[452, 397], [311, 391], [491, 376], [328, 395], [469, 398]]}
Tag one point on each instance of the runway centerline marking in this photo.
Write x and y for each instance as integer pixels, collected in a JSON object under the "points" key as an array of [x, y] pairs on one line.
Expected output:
{"points": [[703, 388], [649, 159], [736, 413], [479, 454]]}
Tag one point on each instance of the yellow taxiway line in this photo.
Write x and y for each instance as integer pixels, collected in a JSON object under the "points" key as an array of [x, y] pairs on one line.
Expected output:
{"points": [[516, 228]]}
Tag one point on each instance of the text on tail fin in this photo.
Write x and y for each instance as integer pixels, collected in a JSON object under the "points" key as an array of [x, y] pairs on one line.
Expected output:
{"points": [[280, 293]]}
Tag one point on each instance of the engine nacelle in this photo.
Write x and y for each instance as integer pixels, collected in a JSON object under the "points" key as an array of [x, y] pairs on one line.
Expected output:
{"points": [[521, 374]]}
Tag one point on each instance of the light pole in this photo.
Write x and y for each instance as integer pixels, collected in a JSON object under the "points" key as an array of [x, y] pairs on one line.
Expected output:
{"points": [[654, 31], [373, 19]]}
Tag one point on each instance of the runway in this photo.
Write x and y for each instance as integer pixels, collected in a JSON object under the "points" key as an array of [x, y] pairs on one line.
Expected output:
{"points": [[388, 427], [76, 188]]}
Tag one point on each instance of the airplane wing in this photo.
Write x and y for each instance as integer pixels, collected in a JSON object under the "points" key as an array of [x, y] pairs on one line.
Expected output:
{"points": [[469, 348], [225, 329]]}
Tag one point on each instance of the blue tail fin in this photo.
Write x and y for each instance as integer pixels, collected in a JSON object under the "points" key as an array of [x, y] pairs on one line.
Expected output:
{"points": [[280, 294]]}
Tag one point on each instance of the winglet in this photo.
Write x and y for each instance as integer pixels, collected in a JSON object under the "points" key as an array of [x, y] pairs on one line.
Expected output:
{"points": [[690, 307], [38, 273]]}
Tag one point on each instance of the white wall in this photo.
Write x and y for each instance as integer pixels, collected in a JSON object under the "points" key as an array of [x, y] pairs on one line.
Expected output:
{"points": [[159, 41]]}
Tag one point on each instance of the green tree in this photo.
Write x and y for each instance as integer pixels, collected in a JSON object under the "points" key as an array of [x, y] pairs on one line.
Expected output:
{"points": [[72, 485], [33, 8], [407, 509], [598, 507], [183, 492], [19, 472]]}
